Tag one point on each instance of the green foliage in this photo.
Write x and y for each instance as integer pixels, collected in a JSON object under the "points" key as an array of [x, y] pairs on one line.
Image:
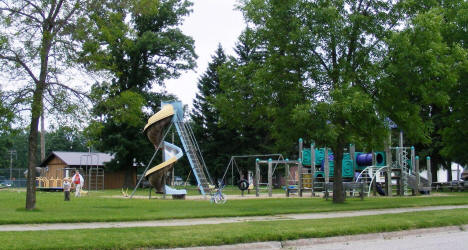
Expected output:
{"points": [[319, 70], [419, 70], [146, 50], [241, 102], [138, 44], [426, 68], [215, 139], [455, 130], [64, 138], [6, 114]]}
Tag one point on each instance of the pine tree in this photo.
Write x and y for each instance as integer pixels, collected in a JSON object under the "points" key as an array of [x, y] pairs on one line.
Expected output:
{"points": [[214, 139]]}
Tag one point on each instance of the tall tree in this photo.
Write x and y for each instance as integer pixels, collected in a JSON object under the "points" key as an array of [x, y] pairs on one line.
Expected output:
{"points": [[241, 104], [65, 138], [424, 67], [323, 62], [455, 128], [137, 44], [35, 46], [217, 139]]}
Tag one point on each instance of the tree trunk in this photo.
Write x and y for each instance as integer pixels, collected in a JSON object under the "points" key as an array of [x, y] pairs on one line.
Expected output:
{"points": [[32, 152], [338, 194], [36, 111], [42, 135], [449, 171]]}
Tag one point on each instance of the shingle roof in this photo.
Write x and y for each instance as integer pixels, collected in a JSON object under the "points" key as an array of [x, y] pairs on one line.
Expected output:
{"points": [[80, 158]]}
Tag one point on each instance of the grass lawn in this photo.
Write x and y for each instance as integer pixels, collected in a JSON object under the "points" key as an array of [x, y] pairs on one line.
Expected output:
{"points": [[193, 190], [200, 235], [96, 207]]}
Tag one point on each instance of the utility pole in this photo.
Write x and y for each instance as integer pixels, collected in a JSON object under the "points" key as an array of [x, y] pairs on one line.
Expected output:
{"points": [[12, 152]]}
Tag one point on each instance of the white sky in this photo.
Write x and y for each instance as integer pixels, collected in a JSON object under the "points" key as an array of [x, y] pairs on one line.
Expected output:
{"points": [[211, 22]]}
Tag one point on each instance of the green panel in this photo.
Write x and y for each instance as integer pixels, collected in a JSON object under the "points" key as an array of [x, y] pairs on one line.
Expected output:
{"points": [[347, 169], [319, 153], [346, 156], [380, 156], [306, 157]]}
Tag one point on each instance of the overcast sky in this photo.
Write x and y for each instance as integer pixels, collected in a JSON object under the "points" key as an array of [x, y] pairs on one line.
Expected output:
{"points": [[211, 22]]}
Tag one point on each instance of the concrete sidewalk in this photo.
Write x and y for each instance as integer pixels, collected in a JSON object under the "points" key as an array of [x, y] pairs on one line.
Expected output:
{"points": [[439, 238], [208, 221]]}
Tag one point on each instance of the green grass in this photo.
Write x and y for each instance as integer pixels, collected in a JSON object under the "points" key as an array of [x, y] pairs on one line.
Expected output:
{"points": [[94, 208], [202, 235], [193, 190]]}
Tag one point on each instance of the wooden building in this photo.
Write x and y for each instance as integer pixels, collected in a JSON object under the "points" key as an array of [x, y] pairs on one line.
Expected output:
{"points": [[59, 165]]}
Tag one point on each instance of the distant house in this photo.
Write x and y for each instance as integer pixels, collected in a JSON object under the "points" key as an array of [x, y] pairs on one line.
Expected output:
{"points": [[59, 165]]}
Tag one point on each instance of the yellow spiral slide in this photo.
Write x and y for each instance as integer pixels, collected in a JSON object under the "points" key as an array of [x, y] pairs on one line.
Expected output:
{"points": [[154, 131]]}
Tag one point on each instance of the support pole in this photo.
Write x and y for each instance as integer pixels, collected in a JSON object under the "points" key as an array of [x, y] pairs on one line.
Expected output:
{"points": [[416, 172], [299, 168], [312, 167], [400, 163], [287, 180], [326, 166], [352, 150], [388, 173], [232, 174], [270, 177], [257, 178], [401, 139], [164, 186], [374, 174], [429, 171]]}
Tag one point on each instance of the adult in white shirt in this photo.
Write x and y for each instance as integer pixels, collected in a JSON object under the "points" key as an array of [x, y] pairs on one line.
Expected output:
{"points": [[78, 180]]}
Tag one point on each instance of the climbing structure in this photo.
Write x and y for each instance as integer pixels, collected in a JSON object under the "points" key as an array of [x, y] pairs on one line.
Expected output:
{"points": [[393, 171]]}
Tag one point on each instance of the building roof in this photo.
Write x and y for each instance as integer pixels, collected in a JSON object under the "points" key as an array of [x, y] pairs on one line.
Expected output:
{"points": [[79, 158]]}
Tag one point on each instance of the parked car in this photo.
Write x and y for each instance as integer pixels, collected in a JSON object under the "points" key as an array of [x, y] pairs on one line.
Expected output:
{"points": [[6, 183]]}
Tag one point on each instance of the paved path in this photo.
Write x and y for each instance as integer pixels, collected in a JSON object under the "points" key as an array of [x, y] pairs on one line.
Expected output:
{"points": [[441, 238], [206, 221]]}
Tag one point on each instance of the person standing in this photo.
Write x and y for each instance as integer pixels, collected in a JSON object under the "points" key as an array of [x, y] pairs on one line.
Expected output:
{"points": [[66, 188], [78, 180]]}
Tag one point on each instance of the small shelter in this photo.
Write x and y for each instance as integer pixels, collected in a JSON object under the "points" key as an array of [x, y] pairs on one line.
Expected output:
{"points": [[59, 165]]}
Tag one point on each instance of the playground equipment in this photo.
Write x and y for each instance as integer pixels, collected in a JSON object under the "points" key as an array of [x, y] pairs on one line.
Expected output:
{"points": [[271, 170], [374, 172], [243, 182], [93, 173], [172, 114]]}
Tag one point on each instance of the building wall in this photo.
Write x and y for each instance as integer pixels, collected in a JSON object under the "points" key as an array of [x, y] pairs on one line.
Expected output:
{"points": [[54, 169], [112, 180], [116, 179]]}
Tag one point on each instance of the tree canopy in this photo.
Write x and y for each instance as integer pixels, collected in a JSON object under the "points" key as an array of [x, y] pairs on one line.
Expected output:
{"points": [[138, 45]]}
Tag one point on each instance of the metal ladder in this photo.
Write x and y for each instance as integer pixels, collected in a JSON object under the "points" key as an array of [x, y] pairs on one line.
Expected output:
{"points": [[194, 156], [404, 170]]}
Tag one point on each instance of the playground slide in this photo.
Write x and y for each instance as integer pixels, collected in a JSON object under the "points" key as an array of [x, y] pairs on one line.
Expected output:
{"points": [[154, 131]]}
